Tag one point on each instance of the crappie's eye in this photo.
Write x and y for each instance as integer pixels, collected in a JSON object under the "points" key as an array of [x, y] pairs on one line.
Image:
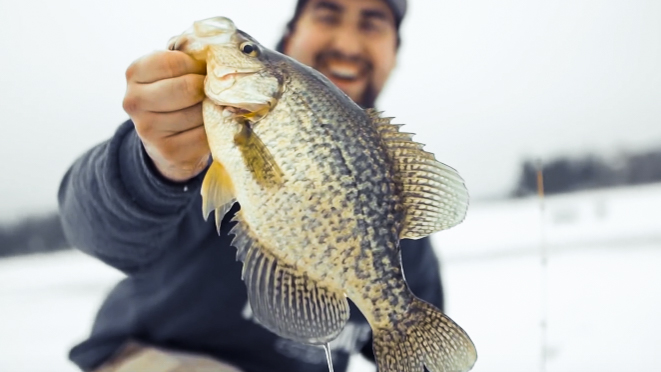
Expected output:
{"points": [[249, 48]]}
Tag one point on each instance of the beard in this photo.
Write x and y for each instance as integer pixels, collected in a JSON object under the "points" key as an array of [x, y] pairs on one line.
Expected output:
{"points": [[370, 93], [369, 96]]}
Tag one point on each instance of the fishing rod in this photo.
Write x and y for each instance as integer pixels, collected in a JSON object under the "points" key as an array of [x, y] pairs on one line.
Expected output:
{"points": [[543, 261]]}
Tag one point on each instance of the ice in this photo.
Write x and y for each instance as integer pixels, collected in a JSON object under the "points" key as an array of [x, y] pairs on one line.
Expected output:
{"points": [[603, 295], [47, 304], [603, 281]]}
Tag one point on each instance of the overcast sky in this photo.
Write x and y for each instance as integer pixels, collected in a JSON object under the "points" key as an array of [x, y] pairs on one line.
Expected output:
{"points": [[484, 84]]}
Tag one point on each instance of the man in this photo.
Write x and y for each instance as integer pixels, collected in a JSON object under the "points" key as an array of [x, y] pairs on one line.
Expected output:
{"points": [[134, 203]]}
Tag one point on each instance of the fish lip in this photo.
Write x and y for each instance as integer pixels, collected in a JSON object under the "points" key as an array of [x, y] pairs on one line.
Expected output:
{"points": [[233, 73], [239, 108], [224, 73], [233, 110], [230, 75]]}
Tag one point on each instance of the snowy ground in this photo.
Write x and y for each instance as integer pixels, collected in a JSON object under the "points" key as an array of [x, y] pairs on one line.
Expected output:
{"points": [[603, 293]]}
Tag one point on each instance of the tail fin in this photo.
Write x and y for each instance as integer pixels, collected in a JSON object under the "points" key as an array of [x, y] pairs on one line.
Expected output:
{"points": [[425, 336]]}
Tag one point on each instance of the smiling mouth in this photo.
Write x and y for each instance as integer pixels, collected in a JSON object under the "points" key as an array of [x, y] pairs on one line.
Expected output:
{"points": [[348, 73], [344, 71]]}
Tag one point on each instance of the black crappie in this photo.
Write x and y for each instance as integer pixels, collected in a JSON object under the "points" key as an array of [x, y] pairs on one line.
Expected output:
{"points": [[326, 190]]}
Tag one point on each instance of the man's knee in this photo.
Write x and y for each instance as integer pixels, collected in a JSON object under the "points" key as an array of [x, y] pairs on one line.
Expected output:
{"points": [[136, 357]]}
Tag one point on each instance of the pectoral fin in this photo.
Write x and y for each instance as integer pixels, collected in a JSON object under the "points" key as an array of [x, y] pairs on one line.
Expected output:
{"points": [[217, 192], [284, 299], [433, 194], [257, 157]]}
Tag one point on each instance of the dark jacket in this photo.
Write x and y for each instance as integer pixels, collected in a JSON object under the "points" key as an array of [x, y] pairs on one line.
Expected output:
{"points": [[183, 288]]}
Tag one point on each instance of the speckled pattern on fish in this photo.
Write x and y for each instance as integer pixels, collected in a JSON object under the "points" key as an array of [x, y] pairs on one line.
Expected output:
{"points": [[326, 190]]}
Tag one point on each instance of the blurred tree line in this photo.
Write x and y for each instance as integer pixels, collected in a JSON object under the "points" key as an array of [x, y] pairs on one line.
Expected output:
{"points": [[33, 235], [44, 233], [567, 174]]}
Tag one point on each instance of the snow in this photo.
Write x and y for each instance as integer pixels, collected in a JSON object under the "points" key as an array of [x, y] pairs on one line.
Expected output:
{"points": [[48, 303], [602, 295]]}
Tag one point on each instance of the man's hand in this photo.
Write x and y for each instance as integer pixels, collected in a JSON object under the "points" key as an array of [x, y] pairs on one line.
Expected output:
{"points": [[164, 99]]}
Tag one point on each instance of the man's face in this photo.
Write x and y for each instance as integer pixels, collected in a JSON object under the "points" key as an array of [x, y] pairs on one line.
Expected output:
{"points": [[352, 42]]}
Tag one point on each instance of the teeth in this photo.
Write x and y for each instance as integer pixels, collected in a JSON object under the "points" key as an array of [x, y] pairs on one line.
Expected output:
{"points": [[344, 72]]}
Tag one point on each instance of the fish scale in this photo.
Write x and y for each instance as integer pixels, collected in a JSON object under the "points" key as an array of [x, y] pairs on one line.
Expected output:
{"points": [[326, 190]]}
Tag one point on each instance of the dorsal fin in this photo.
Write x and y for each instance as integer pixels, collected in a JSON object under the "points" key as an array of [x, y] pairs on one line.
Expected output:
{"points": [[433, 194]]}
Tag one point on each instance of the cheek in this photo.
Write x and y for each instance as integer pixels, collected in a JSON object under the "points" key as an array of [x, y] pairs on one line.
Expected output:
{"points": [[384, 62], [303, 47]]}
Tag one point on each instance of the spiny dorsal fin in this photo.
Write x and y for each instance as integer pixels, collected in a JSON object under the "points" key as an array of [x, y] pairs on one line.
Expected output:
{"points": [[284, 299], [217, 192], [433, 194]]}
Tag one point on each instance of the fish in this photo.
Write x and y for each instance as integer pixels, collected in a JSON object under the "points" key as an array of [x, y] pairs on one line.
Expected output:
{"points": [[326, 190]]}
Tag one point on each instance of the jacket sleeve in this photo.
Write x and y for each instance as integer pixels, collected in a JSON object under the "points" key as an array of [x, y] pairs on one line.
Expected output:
{"points": [[422, 271], [115, 205]]}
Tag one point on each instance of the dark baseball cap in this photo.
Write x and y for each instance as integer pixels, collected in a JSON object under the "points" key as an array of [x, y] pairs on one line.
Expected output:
{"points": [[398, 8]]}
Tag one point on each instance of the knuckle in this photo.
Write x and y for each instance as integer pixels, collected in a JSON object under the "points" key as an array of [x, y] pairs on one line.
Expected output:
{"points": [[131, 103], [146, 126], [194, 85], [144, 129], [186, 86], [130, 71], [134, 69], [148, 62], [167, 66], [179, 90], [174, 64]]}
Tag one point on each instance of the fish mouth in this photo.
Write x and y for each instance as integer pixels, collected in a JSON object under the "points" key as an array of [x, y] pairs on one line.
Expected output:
{"points": [[234, 111], [246, 113], [246, 110], [232, 73], [225, 80]]}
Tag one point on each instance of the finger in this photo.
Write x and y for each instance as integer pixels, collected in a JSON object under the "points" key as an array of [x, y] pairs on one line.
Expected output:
{"points": [[170, 94], [163, 65], [157, 124], [182, 156], [189, 148]]}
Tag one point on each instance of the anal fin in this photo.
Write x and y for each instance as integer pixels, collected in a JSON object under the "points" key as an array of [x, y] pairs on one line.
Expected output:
{"points": [[285, 300]]}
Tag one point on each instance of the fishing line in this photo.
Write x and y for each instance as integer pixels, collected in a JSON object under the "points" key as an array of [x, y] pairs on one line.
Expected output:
{"points": [[543, 261], [329, 357]]}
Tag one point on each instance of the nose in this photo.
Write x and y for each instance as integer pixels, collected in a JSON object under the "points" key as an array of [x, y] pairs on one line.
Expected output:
{"points": [[347, 41]]}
